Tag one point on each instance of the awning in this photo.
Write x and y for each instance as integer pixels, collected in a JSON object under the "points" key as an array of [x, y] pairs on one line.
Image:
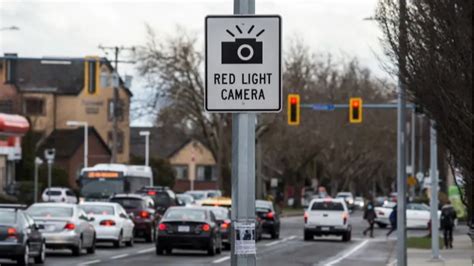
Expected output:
{"points": [[13, 124]]}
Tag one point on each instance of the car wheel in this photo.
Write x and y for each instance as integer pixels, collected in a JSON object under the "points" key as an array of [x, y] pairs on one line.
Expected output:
{"points": [[158, 250], [76, 251], [345, 237], [42, 255], [307, 236], [25, 258], [130, 242], [91, 249], [226, 246], [169, 251], [118, 242], [382, 225], [211, 251], [274, 235]]}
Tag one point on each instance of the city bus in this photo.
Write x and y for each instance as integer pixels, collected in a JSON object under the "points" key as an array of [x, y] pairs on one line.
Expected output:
{"points": [[104, 180]]}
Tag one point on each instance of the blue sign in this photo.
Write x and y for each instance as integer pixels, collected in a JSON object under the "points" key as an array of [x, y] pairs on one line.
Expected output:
{"points": [[323, 107]]}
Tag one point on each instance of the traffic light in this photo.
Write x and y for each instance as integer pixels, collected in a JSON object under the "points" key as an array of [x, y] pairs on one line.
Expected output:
{"points": [[293, 109], [92, 74], [355, 110]]}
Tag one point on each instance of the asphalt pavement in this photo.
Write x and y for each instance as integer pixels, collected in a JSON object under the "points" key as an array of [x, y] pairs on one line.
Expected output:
{"points": [[290, 249]]}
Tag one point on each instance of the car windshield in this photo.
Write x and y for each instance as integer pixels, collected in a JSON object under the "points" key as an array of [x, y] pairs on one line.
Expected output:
{"points": [[197, 195], [97, 209], [7, 217], [186, 214], [263, 205], [130, 203], [50, 211], [161, 199], [185, 198], [221, 214], [53, 193], [327, 206]]}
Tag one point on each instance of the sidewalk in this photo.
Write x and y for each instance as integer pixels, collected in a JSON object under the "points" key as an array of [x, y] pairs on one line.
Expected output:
{"points": [[460, 255]]}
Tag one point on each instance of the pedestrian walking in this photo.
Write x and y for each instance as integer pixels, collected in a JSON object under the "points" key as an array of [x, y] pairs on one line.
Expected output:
{"points": [[369, 216], [448, 216], [393, 220]]}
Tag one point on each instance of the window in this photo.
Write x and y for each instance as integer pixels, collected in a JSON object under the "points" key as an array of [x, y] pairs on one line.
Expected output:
{"points": [[120, 109], [181, 171], [327, 206], [119, 140], [34, 106], [204, 173], [9, 71], [6, 106]]}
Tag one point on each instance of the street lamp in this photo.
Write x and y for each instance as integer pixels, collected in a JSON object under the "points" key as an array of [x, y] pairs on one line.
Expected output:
{"points": [[86, 137], [38, 162], [146, 134]]}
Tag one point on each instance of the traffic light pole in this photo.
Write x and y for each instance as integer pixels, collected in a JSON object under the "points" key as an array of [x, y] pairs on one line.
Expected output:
{"points": [[243, 170]]}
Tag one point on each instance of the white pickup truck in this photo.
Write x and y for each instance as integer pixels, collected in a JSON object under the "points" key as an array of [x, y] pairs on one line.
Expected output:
{"points": [[327, 217], [418, 215]]}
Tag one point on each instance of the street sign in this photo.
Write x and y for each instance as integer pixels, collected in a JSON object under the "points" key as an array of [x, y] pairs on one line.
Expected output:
{"points": [[323, 107], [411, 181], [243, 63], [420, 176]]}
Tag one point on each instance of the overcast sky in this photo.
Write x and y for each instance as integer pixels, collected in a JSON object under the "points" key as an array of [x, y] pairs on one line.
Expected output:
{"points": [[75, 28]]}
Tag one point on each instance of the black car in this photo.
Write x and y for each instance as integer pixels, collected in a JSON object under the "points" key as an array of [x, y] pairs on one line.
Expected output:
{"points": [[189, 228], [224, 222], [20, 238], [162, 196], [141, 209], [270, 219]]}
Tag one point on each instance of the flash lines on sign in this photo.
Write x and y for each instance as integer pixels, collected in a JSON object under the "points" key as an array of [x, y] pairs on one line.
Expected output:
{"points": [[240, 31]]}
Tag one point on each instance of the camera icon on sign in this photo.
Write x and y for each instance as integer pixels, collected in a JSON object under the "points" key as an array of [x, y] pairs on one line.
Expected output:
{"points": [[242, 50]]}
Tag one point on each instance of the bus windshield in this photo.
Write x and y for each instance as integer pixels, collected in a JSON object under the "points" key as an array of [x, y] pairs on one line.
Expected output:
{"points": [[101, 188]]}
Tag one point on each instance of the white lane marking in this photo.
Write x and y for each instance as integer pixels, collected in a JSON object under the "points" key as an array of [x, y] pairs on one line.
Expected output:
{"points": [[89, 262], [221, 259], [280, 241], [119, 256], [146, 250], [394, 262], [352, 251]]}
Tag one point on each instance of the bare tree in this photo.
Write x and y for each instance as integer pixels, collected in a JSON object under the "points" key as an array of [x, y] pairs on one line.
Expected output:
{"points": [[438, 71]]}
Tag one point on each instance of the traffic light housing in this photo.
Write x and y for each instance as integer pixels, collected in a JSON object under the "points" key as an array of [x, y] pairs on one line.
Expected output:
{"points": [[293, 109], [355, 110]]}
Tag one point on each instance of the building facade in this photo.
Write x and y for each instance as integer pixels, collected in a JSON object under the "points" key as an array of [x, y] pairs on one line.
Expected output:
{"points": [[51, 91]]}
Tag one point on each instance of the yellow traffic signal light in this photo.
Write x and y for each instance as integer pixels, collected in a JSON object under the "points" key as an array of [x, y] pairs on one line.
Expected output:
{"points": [[355, 110], [293, 109]]}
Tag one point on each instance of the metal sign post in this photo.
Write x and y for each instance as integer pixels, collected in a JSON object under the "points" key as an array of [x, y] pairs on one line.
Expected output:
{"points": [[434, 193], [243, 76], [243, 168]]}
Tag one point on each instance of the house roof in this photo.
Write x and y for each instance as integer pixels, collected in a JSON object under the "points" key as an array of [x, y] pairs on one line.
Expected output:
{"points": [[164, 141], [67, 141], [51, 75]]}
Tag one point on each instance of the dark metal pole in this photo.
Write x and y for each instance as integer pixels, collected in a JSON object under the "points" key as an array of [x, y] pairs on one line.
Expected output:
{"points": [[401, 141]]}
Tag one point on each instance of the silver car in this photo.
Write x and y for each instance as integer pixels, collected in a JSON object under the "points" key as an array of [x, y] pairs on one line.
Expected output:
{"points": [[65, 225], [112, 223]]}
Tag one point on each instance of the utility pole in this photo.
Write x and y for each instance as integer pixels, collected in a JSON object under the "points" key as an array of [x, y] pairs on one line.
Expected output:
{"points": [[38, 162], [434, 193], [116, 97], [243, 164], [401, 141]]}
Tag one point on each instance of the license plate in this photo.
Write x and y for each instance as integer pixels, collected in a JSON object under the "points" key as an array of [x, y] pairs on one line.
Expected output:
{"points": [[50, 228], [324, 228], [183, 228]]}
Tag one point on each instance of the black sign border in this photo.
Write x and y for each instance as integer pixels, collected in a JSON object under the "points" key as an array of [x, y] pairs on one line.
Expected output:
{"points": [[279, 68]]}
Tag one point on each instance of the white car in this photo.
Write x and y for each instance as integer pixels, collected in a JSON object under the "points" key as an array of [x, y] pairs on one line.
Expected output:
{"points": [[327, 217], [59, 194], [418, 215], [111, 222]]}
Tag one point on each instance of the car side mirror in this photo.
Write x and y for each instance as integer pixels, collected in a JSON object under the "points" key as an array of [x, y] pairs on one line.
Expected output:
{"points": [[123, 216], [91, 219]]}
